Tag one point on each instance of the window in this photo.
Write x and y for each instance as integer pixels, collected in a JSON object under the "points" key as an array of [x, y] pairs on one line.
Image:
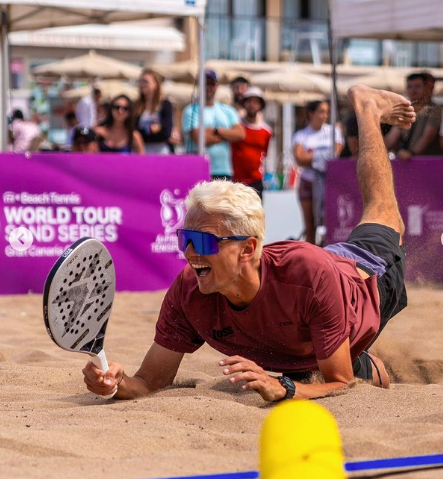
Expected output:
{"points": [[236, 29]]}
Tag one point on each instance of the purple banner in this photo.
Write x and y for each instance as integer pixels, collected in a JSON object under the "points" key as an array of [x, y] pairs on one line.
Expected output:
{"points": [[419, 191], [133, 204]]}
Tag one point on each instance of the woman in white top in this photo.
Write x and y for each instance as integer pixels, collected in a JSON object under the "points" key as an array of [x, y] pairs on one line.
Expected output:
{"points": [[312, 147]]}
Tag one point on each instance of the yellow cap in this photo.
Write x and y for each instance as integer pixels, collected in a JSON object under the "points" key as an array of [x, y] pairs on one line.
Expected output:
{"points": [[301, 440]]}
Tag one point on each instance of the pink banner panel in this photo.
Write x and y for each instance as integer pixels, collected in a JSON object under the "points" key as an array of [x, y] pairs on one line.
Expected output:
{"points": [[133, 204], [418, 185]]}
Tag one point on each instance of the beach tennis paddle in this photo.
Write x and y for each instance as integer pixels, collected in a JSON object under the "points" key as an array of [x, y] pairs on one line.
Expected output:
{"points": [[77, 300]]}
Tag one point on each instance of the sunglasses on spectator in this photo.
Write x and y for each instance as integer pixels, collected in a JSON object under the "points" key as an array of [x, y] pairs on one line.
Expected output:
{"points": [[120, 107], [203, 243]]}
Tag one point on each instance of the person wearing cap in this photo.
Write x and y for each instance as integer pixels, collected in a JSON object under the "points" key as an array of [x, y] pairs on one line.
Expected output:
{"points": [[248, 155], [222, 127], [84, 140]]}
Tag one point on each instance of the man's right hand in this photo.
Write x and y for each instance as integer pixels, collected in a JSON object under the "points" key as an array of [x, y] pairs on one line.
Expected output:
{"points": [[102, 383]]}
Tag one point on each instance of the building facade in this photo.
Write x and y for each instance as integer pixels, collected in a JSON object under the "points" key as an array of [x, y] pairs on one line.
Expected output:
{"points": [[297, 30]]}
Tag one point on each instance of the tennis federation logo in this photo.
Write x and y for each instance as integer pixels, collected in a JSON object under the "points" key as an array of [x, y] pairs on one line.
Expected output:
{"points": [[172, 215]]}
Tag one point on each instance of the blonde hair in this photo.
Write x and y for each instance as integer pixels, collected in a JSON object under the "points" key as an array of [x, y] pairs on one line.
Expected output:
{"points": [[239, 204]]}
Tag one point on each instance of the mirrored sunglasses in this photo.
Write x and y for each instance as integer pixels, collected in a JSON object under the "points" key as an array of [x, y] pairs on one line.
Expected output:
{"points": [[203, 243]]}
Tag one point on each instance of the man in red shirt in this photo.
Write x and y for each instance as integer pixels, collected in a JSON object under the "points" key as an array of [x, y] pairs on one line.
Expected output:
{"points": [[290, 307], [249, 154]]}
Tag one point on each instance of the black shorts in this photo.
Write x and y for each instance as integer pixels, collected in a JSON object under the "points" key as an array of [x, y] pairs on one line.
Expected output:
{"points": [[387, 260], [383, 242]]}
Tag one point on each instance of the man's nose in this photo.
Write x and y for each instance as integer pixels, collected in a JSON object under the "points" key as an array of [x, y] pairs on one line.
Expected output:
{"points": [[190, 250]]}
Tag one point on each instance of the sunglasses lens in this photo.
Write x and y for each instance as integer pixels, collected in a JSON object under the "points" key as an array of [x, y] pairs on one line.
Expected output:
{"points": [[203, 243]]}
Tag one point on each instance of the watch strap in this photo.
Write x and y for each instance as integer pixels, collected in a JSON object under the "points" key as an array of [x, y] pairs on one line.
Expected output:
{"points": [[289, 385]]}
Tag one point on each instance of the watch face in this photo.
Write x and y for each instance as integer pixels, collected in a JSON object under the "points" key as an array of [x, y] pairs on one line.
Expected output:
{"points": [[289, 385]]}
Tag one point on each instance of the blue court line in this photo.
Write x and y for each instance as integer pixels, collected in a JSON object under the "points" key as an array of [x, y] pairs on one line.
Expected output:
{"points": [[229, 475], [392, 463], [395, 462]]}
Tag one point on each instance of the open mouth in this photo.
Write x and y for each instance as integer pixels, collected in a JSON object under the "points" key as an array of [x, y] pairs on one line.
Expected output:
{"points": [[202, 271]]}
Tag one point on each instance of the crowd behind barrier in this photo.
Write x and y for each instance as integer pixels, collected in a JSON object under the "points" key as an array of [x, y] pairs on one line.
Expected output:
{"points": [[237, 136]]}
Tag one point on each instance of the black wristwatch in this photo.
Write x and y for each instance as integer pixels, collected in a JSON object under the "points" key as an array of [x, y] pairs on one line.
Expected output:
{"points": [[216, 132], [289, 385]]}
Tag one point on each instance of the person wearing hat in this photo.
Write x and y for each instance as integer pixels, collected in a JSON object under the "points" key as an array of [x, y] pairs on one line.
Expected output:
{"points": [[222, 127], [84, 140], [248, 155]]}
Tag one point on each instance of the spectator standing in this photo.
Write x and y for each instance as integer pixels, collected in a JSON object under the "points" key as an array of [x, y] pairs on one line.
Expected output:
{"points": [[153, 115], [239, 85], [84, 140], [222, 127], [71, 122], [87, 108], [248, 155], [312, 147], [422, 138], [25, 135], [116, 134]]}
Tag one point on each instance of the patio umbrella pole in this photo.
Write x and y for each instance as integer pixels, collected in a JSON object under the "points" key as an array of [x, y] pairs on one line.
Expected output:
{"points": [[201, 84], [4, 78]]}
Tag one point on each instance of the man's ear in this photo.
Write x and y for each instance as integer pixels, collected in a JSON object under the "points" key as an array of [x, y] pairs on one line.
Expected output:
{"points": [[249, 247]]}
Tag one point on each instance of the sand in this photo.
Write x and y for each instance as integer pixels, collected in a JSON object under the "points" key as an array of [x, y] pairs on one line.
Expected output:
{"points": [[53, 428]]}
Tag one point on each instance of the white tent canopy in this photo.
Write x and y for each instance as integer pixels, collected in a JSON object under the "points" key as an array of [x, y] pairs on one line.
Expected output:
{"points": [[117, 36], [35, 14], [18, 15], [391, 19]]}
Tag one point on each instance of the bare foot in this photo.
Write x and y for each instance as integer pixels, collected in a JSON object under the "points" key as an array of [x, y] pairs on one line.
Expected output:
{"points": [[389, 107]]}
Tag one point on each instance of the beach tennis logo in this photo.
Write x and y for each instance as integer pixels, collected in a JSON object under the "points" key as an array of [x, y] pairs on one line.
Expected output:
{"points": [[345, 210], [345, 217], [172, 215], [40, 224]]}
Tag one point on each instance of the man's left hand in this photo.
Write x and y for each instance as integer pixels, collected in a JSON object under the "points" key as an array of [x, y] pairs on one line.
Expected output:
{"points": [[255, 377]]}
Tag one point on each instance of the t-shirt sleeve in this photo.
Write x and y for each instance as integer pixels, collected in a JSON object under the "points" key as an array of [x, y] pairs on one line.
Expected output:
{"points": [[297, 139], [232, 115], [328, 324], [434, 117], [339, 136], [190, 118], [173, 330]]}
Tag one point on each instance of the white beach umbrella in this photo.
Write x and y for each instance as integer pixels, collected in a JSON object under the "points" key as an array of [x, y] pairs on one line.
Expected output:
{"points": [[109, 88], [91, 65], [292, 79]]}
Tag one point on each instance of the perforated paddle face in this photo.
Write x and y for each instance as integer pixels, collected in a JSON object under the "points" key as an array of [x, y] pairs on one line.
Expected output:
{"points": [[78, 297]]}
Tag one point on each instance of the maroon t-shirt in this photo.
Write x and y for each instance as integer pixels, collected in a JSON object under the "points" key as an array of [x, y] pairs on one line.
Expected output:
{"points": [[308, 303]]}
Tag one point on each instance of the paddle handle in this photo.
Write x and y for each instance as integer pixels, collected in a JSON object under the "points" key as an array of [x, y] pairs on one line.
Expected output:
{"points": [[101, 363]]}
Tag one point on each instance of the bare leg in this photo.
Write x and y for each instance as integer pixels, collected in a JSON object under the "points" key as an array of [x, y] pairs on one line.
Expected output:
{"points": [[374, 172], [308, 216]]}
